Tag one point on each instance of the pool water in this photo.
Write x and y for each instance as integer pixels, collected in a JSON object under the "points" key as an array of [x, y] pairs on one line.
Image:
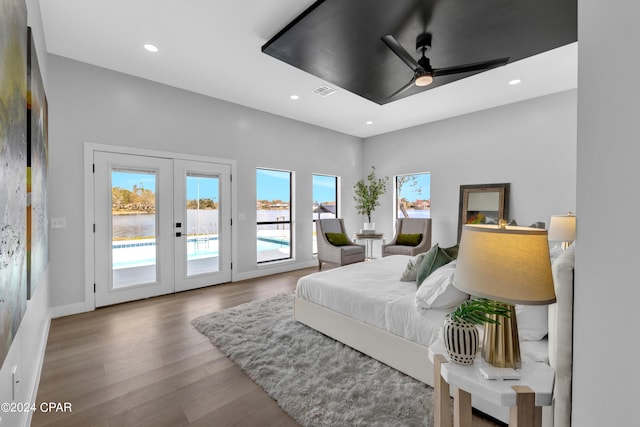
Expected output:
{"points": [[128, 254]]}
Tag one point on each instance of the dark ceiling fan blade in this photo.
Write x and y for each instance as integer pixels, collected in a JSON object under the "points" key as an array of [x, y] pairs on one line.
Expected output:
{"points": [[397, 48], [403, 88], [476, 66]]}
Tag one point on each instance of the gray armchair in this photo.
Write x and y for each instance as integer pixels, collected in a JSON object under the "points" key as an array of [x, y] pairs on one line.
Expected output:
{"points": [[327, 252], [410, 226]]}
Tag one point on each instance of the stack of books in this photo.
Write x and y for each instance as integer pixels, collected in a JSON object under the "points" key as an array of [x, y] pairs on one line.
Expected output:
{"points": [[363, 231]]}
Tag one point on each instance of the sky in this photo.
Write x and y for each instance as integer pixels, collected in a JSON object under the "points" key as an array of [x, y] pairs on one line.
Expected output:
{"points": [[128, 179], [205, 187], [274, 185], [424, 182], [270, 185], [324, 188], [208, 186]]}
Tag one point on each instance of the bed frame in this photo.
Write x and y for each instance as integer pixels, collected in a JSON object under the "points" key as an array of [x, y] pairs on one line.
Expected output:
{"points": [[399, 353], [412, 358]]}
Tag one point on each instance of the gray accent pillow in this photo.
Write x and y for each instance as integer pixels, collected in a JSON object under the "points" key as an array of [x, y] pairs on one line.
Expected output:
{"points": [[410, 272]]}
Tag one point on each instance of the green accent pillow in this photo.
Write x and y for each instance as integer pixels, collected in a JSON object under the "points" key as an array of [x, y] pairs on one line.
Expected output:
{"points": [[452, 251], [338, 239], [435, 258], [409, 239]]}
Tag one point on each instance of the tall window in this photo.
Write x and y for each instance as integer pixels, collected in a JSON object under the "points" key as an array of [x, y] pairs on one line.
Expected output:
{"points": [[273, 213], [413, 196], [325, 201]]}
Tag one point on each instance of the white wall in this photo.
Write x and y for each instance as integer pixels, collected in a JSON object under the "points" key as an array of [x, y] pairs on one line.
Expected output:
{"points": [[91, 104], [27, 349], [606, 369], [530, 144]]}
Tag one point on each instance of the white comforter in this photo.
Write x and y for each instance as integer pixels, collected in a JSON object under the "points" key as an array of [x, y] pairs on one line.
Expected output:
{"points": [[373, 293]]}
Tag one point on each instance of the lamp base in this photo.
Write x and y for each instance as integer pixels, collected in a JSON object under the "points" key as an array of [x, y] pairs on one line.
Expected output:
{"points": [[501, 345]]}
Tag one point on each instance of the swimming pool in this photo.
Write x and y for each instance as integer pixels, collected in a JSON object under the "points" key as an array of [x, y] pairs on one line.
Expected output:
{"points": [[129, 253]]}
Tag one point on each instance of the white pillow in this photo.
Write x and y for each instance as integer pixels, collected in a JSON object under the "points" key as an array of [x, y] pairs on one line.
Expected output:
{"points": [[410, 272], [533, 323], [437, 290]]}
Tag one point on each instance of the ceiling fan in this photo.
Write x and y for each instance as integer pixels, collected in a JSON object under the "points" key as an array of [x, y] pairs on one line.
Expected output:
{"points": [[423, 73]]}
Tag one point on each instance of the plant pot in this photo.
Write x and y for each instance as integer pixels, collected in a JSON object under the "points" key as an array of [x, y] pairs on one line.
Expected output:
{"points": [[461, 339], [369, 226]]}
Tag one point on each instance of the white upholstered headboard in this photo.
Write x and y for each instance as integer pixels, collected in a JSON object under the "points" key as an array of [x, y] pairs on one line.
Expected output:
{"points": [[561, 336]]}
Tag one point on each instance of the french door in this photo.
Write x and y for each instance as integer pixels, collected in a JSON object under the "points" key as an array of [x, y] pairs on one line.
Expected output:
{"points": [[161, 226], [202, 221]]}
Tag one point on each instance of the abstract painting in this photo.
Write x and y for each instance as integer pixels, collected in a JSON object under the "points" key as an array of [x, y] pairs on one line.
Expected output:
{"points": [[13, 161], [37, 164]]}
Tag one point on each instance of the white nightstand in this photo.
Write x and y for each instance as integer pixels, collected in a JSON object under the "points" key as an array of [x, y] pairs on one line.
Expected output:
{"points": [[525, 397]]}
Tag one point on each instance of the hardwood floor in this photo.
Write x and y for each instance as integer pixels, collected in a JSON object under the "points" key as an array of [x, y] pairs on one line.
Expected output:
{"points": [[143, 364]]}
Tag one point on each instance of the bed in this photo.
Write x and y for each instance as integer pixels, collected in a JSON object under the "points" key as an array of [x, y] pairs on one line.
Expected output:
{"points": [[368, 307]]}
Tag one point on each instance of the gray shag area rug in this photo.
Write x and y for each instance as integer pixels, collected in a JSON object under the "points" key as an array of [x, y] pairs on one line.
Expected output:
{"points": [[315, 379]]}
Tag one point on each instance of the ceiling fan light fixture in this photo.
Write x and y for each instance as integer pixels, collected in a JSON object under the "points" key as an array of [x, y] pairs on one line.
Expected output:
{"points": [[424, 80]]}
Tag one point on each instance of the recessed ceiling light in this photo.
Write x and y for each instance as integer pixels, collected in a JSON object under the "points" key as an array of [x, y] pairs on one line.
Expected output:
{"points": [[151, 47], [369, 122], [294, 97], [515, 82]]}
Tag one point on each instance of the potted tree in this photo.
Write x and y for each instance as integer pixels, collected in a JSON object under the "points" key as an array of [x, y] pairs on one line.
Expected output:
{"points": [[461, 338], [367, 194]]}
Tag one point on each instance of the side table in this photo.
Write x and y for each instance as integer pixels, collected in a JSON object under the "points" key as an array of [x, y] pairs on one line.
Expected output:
{"points": [[368, 240], [525, 397]]}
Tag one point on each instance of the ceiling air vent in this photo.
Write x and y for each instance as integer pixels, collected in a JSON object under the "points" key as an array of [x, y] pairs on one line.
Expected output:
{"points": [[324, 90]]}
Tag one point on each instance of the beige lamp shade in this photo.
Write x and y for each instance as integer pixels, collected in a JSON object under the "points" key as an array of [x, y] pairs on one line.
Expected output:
{"points": [[510, 265], [562, 228]]}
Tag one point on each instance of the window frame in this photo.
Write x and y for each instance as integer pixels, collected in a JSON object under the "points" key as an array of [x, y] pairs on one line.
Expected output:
{"points": [[337, 200], [396, 192], [288, 222]]}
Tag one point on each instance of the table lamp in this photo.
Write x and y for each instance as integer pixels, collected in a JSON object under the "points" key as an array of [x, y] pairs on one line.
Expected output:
{"points": [[510, 265], [562, 228]]}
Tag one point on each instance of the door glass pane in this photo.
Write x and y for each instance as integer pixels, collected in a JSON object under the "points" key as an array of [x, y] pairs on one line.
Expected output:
{"points": [[134, 225], [202, 224]]}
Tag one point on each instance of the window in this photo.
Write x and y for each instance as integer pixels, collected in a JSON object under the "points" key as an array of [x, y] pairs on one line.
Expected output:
{"points": [[413, 196], [273, 213], [325, 201]]}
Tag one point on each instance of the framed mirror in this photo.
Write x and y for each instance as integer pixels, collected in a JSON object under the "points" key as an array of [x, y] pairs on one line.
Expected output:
{"points": [[482, 204]]}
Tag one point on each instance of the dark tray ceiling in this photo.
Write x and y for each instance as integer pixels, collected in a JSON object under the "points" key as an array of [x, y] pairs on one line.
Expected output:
{"points": [[339, 40]]}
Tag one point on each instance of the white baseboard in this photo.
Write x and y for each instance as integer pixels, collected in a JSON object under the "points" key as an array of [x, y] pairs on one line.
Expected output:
{"points": [[268, 269], [67, 310], [33, 387]]}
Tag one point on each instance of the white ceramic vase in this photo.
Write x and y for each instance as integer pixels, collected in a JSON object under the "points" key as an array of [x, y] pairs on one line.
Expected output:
{"points": [[369, 226], [461, 339]]}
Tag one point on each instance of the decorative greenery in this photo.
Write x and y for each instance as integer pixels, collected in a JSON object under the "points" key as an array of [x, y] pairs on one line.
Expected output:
{"points": [[367, 193], [475, 311]]}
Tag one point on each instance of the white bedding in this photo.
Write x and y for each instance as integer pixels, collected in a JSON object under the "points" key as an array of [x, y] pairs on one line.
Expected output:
{"points": [[373, 293], [417, 325]]}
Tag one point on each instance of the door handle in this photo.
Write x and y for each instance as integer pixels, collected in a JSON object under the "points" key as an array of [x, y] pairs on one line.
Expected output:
{"points": [[178, 234]]}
